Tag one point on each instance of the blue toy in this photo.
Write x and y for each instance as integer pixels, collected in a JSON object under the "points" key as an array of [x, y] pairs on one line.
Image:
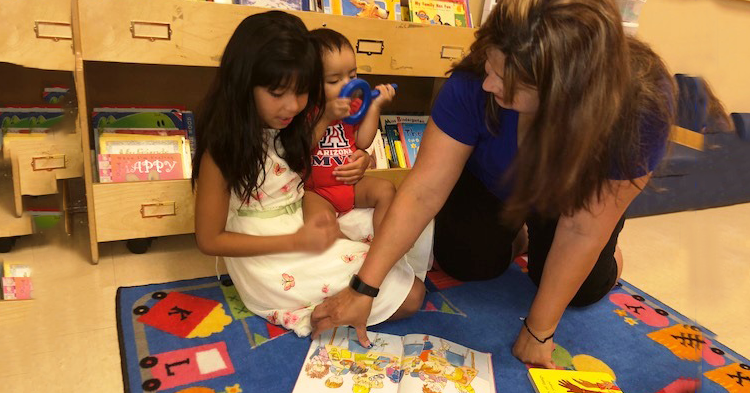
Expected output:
{"points": [[353, 86]]}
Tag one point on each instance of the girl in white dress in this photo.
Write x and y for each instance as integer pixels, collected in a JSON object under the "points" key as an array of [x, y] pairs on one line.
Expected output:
{"points": [[254, 142]]}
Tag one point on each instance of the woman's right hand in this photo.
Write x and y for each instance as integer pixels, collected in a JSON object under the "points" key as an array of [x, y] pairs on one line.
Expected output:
{"points": [[318, 233]]}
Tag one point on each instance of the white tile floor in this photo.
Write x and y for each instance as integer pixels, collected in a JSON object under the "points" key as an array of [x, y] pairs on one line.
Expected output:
{"points": [[66, 339]]}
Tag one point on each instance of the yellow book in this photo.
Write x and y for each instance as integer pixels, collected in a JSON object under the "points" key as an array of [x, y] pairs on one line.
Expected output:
{"points": [[388, 153], [15, 270], [566, 381], [400, 154]]}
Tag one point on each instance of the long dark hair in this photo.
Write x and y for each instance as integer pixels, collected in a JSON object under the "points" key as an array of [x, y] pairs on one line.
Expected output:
{"points": [[596, 86], [272, 50]]}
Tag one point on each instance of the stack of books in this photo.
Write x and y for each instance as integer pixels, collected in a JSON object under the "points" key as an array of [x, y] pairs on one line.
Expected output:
{"points": [[16, 281], [24, 122], [28, 121], [403, 135], [139, 144]]}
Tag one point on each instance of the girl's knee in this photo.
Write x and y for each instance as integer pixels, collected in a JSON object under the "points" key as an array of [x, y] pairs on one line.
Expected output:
{"points": [[415, 298]]}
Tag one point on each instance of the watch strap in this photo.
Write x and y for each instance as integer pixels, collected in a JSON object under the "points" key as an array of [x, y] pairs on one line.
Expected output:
{"points": [[360, 287]]}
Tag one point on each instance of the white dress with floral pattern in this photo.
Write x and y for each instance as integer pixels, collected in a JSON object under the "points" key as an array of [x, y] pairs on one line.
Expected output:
{"points": [[284, 288]]}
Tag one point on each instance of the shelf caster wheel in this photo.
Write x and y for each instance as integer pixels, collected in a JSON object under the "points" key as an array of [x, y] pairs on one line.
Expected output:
{"points": [[7, 244], [139, 246]]}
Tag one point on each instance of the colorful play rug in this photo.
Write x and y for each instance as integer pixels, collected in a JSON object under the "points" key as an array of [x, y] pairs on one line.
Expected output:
{"points": [[195, 336]]}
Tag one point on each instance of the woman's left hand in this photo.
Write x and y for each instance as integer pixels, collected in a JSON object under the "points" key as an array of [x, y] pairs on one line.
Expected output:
{"points": [[530, 351], [352, 172]]}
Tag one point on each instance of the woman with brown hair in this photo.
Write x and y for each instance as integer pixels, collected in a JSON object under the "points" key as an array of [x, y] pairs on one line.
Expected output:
{"points": [[555, 119]]}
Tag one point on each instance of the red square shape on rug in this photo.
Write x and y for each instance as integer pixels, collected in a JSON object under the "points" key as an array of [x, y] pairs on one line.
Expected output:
{"points": [[189, 365], [178, 313], [442, 280]]}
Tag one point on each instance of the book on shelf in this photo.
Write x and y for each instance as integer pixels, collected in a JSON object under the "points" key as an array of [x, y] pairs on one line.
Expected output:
{"points": [[377, 153], [399, 149], [414, 363], [389, 125], [410, 130], [140, 144], [16, 281], [487, 9], [296, 5], [440, 12], [567, 381], [404, 136], [375, 9], [387, 148], [25, 121], [130, 118], [117, 168], [128, 144], [44, 218], [54, 94]]}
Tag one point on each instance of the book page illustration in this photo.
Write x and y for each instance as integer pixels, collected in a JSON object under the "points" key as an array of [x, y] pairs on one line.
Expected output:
{"points": [[434, 365], [337, 363]]}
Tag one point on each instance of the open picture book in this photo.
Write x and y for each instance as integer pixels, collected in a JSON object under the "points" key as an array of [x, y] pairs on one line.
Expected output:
{"points": [[414, 363]]}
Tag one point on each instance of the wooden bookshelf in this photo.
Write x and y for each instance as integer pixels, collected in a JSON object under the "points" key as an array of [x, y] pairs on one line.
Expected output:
{"points": [[36, 51], [115, 68], [36, 34], [195, 33]]}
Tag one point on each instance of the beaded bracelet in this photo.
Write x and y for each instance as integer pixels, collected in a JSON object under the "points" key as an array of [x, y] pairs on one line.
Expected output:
{"points": [[535, 337]]}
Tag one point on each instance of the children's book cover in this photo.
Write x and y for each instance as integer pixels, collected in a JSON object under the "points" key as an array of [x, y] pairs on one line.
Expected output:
{"points": [[23, 121], [16, 288], [411, 129], [413, 363], [54, 94], [29, 118], [116, 168], [146, 131], [567, 381], [375, 9], [16, 270], [106, 119], [437, 12], [141, 144]]}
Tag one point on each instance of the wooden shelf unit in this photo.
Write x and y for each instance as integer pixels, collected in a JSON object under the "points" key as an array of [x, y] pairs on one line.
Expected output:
{"points": [[36, 34], [36, 51], [179, 32], [165, 53]]}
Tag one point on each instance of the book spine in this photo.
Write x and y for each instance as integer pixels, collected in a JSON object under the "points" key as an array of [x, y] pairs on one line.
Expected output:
{"points": [[105, 168], [400, 154], [381, 162], [392, 136], [404, 145], [187, 161], [387, 149], [189, 119], [469, 19]]}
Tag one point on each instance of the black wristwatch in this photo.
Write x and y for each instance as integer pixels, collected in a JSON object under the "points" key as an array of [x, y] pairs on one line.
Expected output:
{"points": [[357, 285]]}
